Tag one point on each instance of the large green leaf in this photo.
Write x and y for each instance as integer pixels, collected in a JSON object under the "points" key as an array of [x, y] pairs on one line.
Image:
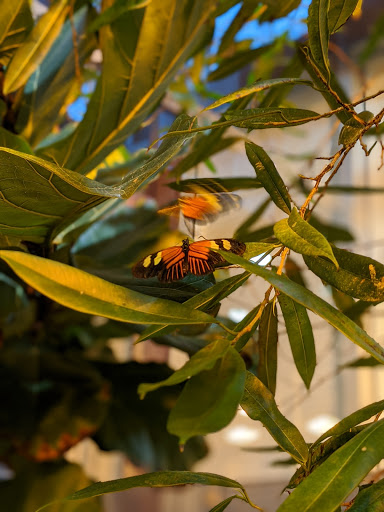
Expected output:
{"points": [[270, 117], [204, 359], [352, 420], [339, 12], [143, 50], [15, 23], [87, 293], [318, 34], [47, 89], [267, 343], [311, 301], [259, 404], [38, 43], [256, 87], [358, 276], [370, 499], [300, 336], [328, 486], [157, 479], [268, 175], [209, 400], [300, 236]]}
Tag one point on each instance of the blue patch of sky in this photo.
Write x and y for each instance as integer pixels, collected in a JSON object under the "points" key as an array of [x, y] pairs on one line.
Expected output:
{"points": [[78, 108]]}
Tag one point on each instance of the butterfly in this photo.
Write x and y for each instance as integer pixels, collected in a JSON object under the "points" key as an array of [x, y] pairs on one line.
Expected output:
{"points": [[196, 258]]}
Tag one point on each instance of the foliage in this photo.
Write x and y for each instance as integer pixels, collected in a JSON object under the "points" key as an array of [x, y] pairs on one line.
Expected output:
{"points": [[75, 220]]}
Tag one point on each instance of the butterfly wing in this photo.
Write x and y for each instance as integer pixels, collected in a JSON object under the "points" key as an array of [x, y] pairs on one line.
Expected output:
{"points": [[202, 259], [168, 265]]}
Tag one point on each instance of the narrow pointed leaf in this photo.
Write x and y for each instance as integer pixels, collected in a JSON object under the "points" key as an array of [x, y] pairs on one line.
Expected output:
{"points": [[370, 499], [259, 404], [36, 46], [142, 51], [352, 420], [268, 175], [319, 306], [318, 34], [339, 12], [256, 87], [209, 400], [157, 479], [114, 11], [300, 236], [223, 504], [246, 321], [204, 359], [330, 484], [84, 292], [270, 117], [300, 337], [267, 367], [15, 24], [357, 276]]}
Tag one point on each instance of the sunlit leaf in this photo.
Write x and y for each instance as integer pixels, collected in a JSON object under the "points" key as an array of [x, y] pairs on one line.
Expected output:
{"points": [[330, 484], [300, 236], [339, 12], [259, 404], [209, 400], [35, 47], [268, 175], [15, 24], [84, 292], [114, 11]]}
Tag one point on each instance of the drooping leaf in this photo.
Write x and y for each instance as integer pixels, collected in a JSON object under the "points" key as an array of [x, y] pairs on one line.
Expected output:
{"points": [[339, 12], [300, 236], [209, 400], [352, 420], [84, 292], [300, 337], [259, 404], [203, 360], [157, 479], [258, 86], [370, 499], [358, 276], [270, 117], [318, 34], [15, 24], [314, 303], [268, 175], [37, 44], [267, 342], [135, 75], [328, 486]]}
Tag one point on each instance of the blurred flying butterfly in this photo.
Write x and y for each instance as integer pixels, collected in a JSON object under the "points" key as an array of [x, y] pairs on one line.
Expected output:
{"points": [[176, 262]]}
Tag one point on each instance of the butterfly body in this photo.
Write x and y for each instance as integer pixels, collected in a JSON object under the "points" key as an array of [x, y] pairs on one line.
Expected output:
{"points": [[176, 262]]}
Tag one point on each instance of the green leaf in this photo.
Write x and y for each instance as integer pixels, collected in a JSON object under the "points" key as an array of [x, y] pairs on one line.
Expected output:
{"points": [[157, 479], [279, 8], [358, 276], [248, 319], [13, 141], [267, 342], [38, 43], [84, 292], [256, 87], [243, 15], [204, 359], [270, 117], [47, 90], [216, 184], [370, 499], [328, 486], [314, 303], [318, 34], [300, 236], [352, 129], [352, 420], [113, 12], [223, 504], [209, 400], [15, 24], [339, 12], [332, 232], [362, 362], [259, 404], [268, 175], [142, 51], [300, 336]]}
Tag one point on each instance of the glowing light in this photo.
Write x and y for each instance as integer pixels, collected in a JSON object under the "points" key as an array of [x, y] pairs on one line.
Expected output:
{"points": [[321, 424], [237, 314], [262, 262], [241, 435]]}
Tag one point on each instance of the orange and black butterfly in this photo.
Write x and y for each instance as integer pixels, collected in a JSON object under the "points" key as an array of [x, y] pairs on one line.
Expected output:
{"points": [[176, 262]]}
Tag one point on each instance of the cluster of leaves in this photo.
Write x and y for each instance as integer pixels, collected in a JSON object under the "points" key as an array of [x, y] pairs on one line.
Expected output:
{"points": [[68, 239]]}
